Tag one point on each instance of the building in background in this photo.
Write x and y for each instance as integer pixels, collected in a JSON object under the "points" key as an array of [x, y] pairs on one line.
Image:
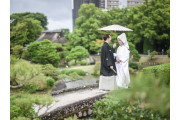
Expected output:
{"points": [[103, 4], [127, 3], [55, 36]]}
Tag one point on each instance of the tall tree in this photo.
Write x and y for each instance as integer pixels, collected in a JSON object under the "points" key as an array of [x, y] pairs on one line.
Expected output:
{"points": [[18, 17], [25, 32]]}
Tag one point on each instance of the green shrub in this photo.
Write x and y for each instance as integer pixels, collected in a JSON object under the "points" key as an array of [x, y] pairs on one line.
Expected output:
{"points": [[96, 71], [83, 62], [77, 53], [64, 76], [17, 50], [22, 118], [133, 65], [153, 53], [21, 105], [72, 63], [13, 59], [30, 75], [50, 70], [133, 52], [50, 82], [78, 71], [30, 88], [75, 76], [107, 109], [148, 97], [43, 52], [160, 71]]}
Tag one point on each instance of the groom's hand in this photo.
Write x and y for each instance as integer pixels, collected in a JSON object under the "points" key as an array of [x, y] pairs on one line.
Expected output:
{"points": [[111, 67], [114, 45]]}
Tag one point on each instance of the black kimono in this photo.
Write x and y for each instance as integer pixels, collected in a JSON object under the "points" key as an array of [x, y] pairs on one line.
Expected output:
{"points": [[107, 60]]}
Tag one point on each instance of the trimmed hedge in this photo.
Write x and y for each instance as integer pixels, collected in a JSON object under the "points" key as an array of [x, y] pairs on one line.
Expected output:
{"points": [[133, 65], [78, 71]]}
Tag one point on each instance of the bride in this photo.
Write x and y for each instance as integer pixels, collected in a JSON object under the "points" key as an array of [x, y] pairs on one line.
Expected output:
{"points": [[122, 64]]}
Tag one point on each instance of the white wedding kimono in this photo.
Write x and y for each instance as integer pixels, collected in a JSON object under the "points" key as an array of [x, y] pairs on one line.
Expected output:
{"points": [[123, 78]]}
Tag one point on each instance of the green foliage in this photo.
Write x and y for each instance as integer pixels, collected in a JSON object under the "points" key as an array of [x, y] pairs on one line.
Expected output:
{"points": [[86, 27], [25, 32], [148, 98], [133, 52], [17, 50], [149, 21], [96, 71], [30, 75], [160, 71], [77, 53], [115, 110], [133, 65], [18, 17], [13, 59], [75, 76], [65, 31], [95, 46], [153, 53], [43, 52], [78, 71], [21, 105], [50, 82], [83, 62], [168, 52], [51, 71]]}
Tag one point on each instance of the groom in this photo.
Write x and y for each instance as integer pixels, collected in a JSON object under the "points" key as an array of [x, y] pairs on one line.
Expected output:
{"points": [[108, 68]]}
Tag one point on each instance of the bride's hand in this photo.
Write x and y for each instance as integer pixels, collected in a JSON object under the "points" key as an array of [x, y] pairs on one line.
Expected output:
{"points": [[118, 61]]}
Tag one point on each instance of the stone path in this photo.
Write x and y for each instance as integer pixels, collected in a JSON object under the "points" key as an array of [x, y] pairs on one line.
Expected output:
{"points": [[64, 99]]}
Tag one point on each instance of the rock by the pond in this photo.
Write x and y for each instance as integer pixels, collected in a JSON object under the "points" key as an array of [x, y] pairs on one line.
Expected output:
{"points": [[59, 86], [90, 60]]}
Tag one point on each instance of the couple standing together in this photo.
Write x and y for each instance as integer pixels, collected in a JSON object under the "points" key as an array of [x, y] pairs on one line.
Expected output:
{"points": [[114, 71]]}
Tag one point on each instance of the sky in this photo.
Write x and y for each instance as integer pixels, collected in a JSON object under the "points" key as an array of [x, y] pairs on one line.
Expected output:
{"points": [[58, 12]]}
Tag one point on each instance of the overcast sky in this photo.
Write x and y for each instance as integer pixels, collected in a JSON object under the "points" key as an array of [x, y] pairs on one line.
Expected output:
{"points": [[58, 12]]}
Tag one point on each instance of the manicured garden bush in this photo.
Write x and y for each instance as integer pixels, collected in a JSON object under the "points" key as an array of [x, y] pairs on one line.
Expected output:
{"points": [[160, 71], [78, 71], [51, 71], [133, 65], [50, 82], [29, 75], [43, 52]]}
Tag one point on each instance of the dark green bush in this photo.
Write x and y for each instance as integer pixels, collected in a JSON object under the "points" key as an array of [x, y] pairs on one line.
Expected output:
{"points": [[43, 52], [50, 82], [78, 71], [133, 65]]}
